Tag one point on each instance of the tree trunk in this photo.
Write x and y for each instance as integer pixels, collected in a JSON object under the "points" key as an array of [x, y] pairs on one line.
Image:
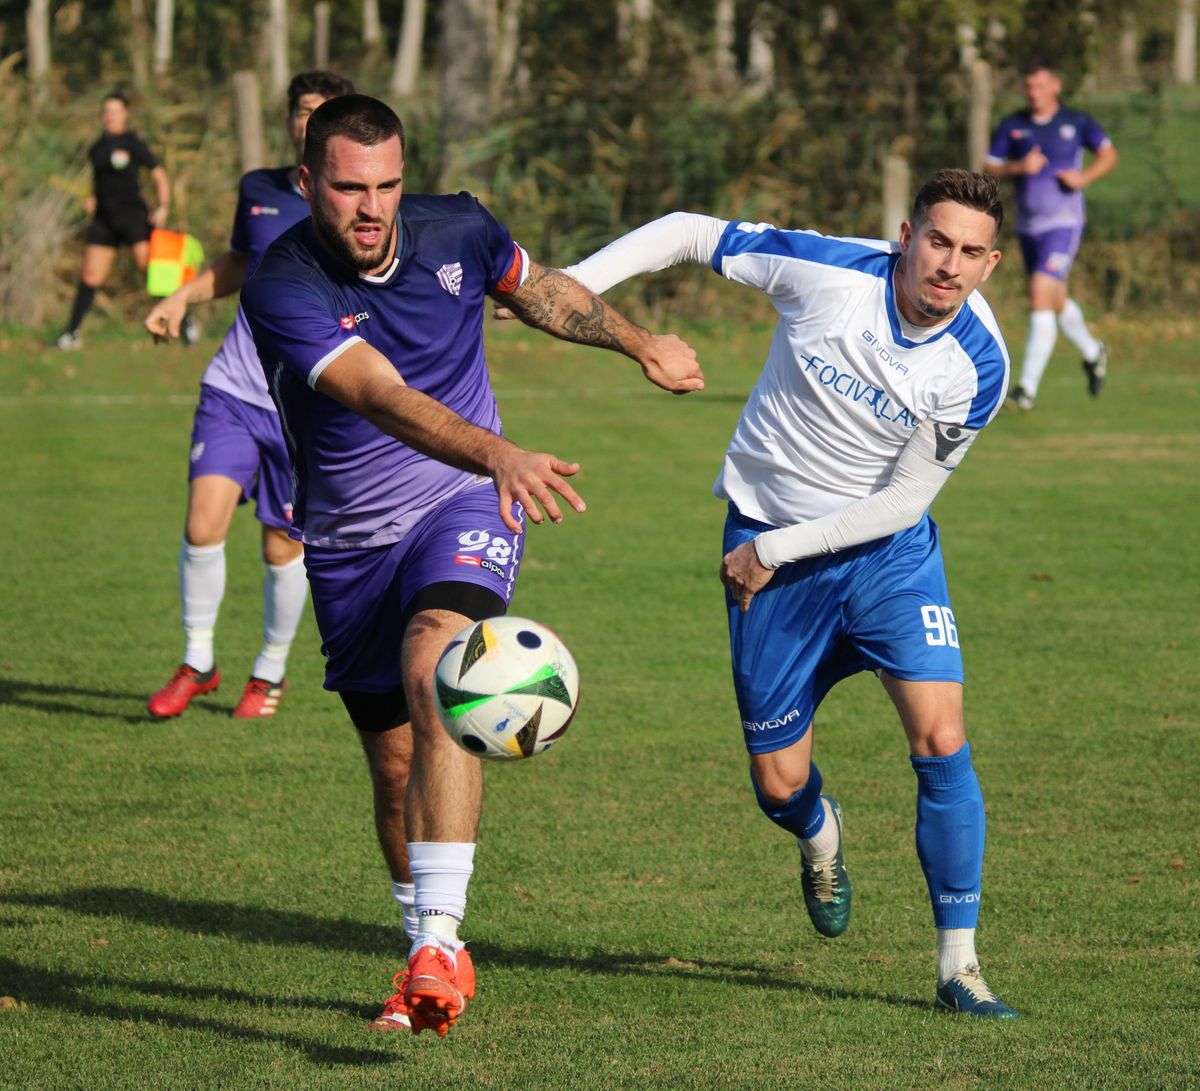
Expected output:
{"points": [[979, 118], [408, 50], [1127, 48], [508, 41], [248, 111], [1185, 43], [760, 57], [277, 49], [164, 35], [633, 33], [466, 83], [139, 53], [372, 30], [37, 33], [897, 187], [724, 60], [321, 34]]}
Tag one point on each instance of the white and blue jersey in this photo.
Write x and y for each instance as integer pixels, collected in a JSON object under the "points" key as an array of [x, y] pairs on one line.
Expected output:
{"points": [[268, 204], [847, 378], [1043, 202], [355, 486]]}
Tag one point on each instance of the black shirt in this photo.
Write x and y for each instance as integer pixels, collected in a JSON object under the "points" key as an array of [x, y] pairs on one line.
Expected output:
{"points": [[115, 163]]}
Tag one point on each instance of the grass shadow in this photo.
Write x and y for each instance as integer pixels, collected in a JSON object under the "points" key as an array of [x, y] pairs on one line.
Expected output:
{"points": [[252, 924], [56, 700]]}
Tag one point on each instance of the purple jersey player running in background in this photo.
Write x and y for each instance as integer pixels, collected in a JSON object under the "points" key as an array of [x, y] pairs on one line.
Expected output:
{"points": [[237, 450], [1042, 148], [368, 320]]}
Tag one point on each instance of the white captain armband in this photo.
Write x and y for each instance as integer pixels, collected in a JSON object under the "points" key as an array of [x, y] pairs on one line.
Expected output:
{"points": [[921, 470]]}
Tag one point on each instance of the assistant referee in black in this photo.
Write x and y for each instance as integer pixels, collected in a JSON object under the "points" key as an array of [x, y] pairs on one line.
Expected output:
{"points": [[120, 216]]}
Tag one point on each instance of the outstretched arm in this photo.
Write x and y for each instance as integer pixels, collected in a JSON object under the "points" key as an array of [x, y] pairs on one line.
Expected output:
{"points": [[554, 302], [363, 379], [223, 276]]}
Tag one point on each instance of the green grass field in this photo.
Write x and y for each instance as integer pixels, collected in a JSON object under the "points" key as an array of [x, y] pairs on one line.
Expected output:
{"points": [[201, 903]]}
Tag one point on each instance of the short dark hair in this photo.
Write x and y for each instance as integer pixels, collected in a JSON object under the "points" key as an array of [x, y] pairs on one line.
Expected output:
{"points": [[1037, 64], [963, 187], [360, 118], [118, 96], [326, 84]]}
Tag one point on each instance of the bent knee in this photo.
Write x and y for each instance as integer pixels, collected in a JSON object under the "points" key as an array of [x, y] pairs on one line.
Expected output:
{"points": [[778, 786]]}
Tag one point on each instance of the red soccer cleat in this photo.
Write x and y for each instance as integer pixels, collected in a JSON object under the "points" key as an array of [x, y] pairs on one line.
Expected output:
{"points": [[438, 988], [176, 695], [259, 699], [395, 1009]]}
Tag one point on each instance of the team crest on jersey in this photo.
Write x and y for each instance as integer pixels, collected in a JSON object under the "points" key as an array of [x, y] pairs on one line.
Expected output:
{"points": [[1067, 132], [1018, 134], [349, 321], [263, 210], [119, 158], [450, 277]]}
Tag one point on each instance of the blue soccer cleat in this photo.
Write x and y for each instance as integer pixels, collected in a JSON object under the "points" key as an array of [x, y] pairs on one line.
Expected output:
{"points": [[826, 886], [968, 993]]}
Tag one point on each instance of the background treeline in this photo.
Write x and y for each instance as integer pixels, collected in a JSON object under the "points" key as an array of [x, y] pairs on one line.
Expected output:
{"points": [[577, 121]]}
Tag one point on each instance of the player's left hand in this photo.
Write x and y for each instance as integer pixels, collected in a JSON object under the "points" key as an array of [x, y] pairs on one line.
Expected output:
{"points": [[744, 575], [158, 217], [1071, 179], [671, 363]]}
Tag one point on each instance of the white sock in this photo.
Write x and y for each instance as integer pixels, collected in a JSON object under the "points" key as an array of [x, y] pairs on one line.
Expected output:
{"points": [[826, 841], [406, 897], [441, 871], [1043, 332], [285, 589], [201, 588], [1074, 325], [956, 950]]}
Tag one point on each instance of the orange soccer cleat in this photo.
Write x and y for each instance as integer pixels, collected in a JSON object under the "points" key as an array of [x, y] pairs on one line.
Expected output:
{"points": [[260, 699], [438, 988], [176, 695]]}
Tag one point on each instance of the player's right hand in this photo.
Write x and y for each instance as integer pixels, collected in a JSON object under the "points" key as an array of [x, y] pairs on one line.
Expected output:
{"points": [[164, 320], [531, 478], [671, 363]]}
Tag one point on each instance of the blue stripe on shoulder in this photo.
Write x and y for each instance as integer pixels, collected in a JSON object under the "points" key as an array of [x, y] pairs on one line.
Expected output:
{"points": [[802, 245], [980, 344]]}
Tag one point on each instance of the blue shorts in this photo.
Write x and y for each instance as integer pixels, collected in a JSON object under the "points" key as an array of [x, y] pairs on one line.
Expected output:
{"points": [[883, 605], [244, 442], [360, 596], [1051, 252]]}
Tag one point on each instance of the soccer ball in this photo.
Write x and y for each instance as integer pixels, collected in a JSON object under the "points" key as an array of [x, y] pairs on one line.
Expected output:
{"points": [[506, 688]]}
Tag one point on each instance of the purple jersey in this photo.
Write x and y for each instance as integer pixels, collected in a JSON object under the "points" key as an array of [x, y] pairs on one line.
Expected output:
{"points": [[268, 204], [1044, 203], [357, 487]]}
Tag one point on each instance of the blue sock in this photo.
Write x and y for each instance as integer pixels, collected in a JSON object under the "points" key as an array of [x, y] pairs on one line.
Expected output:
{"points": [[950, 835], [802, 815]]}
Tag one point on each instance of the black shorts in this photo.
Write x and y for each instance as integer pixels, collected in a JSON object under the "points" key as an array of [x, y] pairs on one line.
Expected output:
{"points": [[124, 227], [383, 711]]}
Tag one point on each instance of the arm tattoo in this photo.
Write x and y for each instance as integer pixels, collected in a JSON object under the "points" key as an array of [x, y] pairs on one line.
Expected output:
{"points": [[548, 300]]}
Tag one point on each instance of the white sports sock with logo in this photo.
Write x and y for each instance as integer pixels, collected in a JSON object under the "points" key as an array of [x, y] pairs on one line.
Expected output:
{"points": [[1074, 325], [956, 950], [285, 589], [441, 871], [201, 588], [1043, 332]]}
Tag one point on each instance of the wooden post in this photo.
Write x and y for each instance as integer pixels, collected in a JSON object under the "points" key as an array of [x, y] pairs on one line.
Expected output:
{"points": [[277, 49], [979, 120], [164, 35], [408, 50], [1185, 43], [321, 34], [372, 31], [897, 187], [1127, 48], [37, 34], [248, 111]]}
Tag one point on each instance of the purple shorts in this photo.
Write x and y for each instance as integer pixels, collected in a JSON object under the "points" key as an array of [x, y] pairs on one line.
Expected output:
{"points": [[1051, 252], [245, 443], [360, 596]]}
